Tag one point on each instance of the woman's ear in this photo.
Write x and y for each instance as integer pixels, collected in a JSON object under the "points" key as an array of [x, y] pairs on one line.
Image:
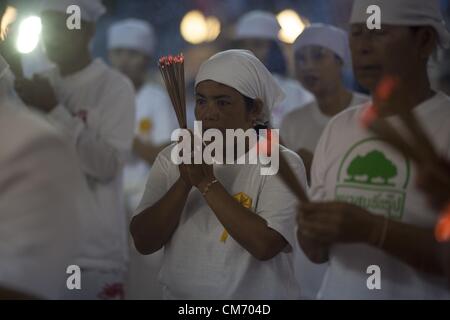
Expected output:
{"points": [[428, 40], [257, 109]]}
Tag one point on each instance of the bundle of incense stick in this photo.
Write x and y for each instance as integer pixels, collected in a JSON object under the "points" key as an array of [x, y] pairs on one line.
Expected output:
{"points": [[266, 145], [172, 71], [422, 151]]}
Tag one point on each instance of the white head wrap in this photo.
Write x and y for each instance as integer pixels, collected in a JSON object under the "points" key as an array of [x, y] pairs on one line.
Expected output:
{"points": [[132, 34], [91, 10], [241, 70], [257, 24], [325, 36], [405, 13]]}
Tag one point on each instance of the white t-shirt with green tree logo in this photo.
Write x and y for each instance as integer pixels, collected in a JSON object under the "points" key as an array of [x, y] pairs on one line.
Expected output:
{"points": [[353, 165]]}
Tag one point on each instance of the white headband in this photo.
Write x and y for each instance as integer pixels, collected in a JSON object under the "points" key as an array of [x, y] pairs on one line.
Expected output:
{"points": [[241, 70], [405, 13]]}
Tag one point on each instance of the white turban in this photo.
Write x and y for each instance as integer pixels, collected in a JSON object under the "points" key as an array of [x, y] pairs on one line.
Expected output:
{"points": [[405, 13], [325, 36], [132, 34], [258, 24], [241, 70], [91, 10]]}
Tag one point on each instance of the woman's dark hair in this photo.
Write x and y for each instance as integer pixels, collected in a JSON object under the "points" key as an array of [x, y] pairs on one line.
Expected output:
{"points": [[249, 105], [276, 61]]}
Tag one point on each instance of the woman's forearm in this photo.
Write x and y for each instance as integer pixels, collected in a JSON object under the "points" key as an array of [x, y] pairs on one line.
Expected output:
{"points": [[246, 227], [152, 228]]}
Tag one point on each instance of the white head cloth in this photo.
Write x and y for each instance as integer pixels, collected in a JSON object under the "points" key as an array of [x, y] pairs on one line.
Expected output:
{"points": [[405, 13], [241, 70], [257, 24], [325, 36], [132, 34], [91, 10]]}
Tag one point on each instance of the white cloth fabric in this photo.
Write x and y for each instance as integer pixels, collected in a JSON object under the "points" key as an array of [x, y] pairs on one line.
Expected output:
{"points": [[91, 10], [98, 285], [198, 265], [405, 13], [153, 106], [345, 143], [42, 197], [241, 70], [155, 122], [96, 113], [259, 25], [132, 34], [325, 36], [302, 128], [295, 97]]}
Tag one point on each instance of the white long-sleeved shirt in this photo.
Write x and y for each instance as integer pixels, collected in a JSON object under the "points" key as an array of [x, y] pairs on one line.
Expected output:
{"points": [[96, 112], [42, 196]]}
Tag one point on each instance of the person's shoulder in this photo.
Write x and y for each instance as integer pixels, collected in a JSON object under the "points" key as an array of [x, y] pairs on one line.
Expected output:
{"points": [[359, 98], [165, 155], [444, 101], [302, 114], [28, 130], [292, 157], [152, 91], [348, 117], [293, 88], [23, 122]]}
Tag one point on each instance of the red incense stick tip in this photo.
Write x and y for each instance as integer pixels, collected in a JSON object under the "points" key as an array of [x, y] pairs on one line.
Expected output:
{"points": [[386, 87], [369, 116], [442, 230]]}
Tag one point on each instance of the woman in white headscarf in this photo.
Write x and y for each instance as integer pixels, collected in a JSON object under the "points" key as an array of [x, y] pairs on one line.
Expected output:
{"points": [[214, 246], [321, 54]]}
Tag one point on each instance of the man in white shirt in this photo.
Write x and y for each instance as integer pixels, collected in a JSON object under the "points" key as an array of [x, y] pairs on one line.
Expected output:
{"points": [[42, 197], [93, 106], [321, 54], [378, 232], [131, 44]]}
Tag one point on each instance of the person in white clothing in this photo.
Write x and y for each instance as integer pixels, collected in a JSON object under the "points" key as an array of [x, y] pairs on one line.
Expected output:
{"points": [[42, 196], [226, 230], [93, 106], [373, 223], [257, 31], [321, 52], [131, 44]]}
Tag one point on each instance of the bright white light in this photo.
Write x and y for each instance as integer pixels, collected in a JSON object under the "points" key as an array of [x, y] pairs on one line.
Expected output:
{"points": [[29, 34], [213, 27], [291, 25], [196, 28], [193, 27]]}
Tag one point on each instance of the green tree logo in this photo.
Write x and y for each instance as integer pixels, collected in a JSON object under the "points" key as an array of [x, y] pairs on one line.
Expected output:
{"points": [[372, 166]]}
